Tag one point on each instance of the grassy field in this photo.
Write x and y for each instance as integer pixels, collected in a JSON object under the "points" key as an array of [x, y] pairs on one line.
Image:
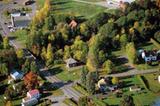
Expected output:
{"points": [[21, 36], [73, 8], [94, 0], [65, 74]]}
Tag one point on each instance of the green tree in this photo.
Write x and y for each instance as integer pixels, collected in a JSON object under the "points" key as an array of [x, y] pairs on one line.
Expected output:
{"points": [[3, 69], [43, 53], [115, 80], [108, 66], [90, 83], [83, 101], [49, 55], [34, 67], [5, 43], [157, 36], [131, 52], [127, 101], [101, 56], [84, 73], [26, 66], [20, 53], [123, 41]]}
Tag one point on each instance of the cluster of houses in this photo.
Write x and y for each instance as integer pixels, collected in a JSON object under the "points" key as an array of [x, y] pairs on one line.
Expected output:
{"points": [[149, 56], [32, 95]]}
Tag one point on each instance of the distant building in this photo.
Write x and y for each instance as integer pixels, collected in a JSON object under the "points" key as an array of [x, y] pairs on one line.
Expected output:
{"points": [[29, 101], [149, 56], [16, 75], [32, 98], [71, 62], [20, 20], [134, 88], [33, 94]]}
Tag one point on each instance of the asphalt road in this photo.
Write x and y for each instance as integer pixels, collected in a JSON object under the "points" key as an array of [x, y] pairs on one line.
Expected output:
{"points": [[66, 87]]}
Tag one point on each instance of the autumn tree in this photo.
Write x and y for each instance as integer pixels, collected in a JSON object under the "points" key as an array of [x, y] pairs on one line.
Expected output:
{"points": [[49, 55], [5, 43], [115, 80], [20, 53], [131, 52], [108, 66], [123, 41], [31, 80]]}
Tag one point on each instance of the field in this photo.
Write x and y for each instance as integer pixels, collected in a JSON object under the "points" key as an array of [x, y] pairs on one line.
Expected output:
{"points": [[73, 8]]}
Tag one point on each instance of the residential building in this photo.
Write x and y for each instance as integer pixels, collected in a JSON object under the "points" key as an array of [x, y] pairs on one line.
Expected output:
{"points": [[16, 75], [71, 63]]}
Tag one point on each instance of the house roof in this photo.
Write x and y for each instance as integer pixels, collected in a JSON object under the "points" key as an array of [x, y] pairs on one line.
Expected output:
{"points": [[16, 74], [33, 92], [70, 61]]}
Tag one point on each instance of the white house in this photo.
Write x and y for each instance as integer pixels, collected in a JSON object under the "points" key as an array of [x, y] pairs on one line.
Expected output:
{"points": [[29, 102], [33, 94], [16, 75], [71, 62], [159, 78]]}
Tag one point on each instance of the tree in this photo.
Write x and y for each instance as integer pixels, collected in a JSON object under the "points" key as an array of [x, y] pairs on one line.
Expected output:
{"points": [[26, 66], [3, 69], [43, 53], [101, 56], [127, 101], [20, 53], [31, 80], [115, 80], [123, 41], [34, 67], [157, 36], [90, 83], [131, 52], [83, 101], [5, 43], [108, 66], [122, 21], [84, 73], [49, 55]]}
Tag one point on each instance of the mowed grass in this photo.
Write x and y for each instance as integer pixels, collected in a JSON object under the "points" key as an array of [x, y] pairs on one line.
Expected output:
{"points": [[75, 8], [153, 83], [21, 36], [94, 0]]}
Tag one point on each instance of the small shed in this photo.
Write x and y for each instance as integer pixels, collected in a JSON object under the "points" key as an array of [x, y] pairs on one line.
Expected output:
{"points": [[71, 62], [134, 88], [16, 75]]}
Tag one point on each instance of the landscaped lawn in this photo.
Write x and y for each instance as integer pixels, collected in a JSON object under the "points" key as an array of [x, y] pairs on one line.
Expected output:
{"points": [[65, 74], [73, 8], [153, 82], [21, 36]]}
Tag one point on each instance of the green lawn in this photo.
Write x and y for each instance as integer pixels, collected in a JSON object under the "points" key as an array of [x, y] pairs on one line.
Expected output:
{"points": [[73, 8], [64, 74], [21, 36], [153, 83], [141, 98], [94, 0]]}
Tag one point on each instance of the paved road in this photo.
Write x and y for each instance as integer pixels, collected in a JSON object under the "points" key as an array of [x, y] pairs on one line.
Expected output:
{"points": [[102, 3], [69, 92]]}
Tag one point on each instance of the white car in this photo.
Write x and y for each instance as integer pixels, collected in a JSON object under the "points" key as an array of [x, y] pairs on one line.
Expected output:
{"points": [[12, 30], [10, 26]]}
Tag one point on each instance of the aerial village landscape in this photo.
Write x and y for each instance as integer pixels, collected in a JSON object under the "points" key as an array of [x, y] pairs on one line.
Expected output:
{"points": [[79, 52]]}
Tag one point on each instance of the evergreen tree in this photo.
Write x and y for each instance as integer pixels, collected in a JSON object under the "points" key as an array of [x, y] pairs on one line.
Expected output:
{"points": [[84, 73], [108, 66], [49, 55], [90, 83], [34, 67]]}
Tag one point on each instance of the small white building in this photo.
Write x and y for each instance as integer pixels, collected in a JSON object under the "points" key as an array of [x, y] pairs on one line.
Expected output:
{"points": [[16, 75], [71, 63], [29, 101], [134, 88]]}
